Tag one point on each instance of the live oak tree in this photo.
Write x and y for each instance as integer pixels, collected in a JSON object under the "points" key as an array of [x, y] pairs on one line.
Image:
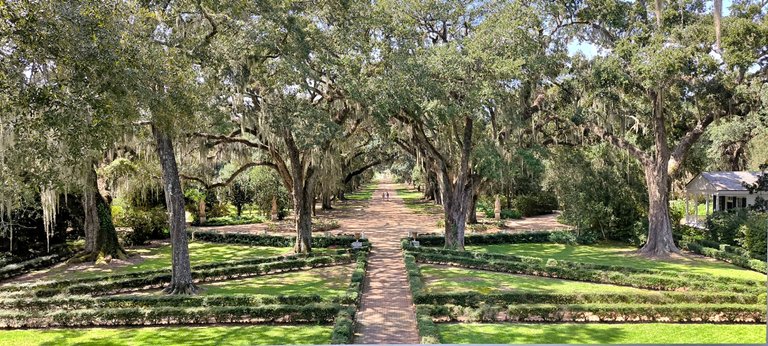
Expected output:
{"points": [[449, 61], [289, 74], [660, 83]]}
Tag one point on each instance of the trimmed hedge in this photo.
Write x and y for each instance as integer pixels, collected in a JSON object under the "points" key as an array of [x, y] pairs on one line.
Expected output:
{"points": [[122, 302], [494, 238], [673, 313], [129, 284], [580, 265], [315, 313], [728, 253], [344, 327], [62, 254], [473, 299], [646, 281], [270, 240]]}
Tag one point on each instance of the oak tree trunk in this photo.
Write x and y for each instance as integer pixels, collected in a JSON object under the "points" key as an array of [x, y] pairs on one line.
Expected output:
{"points": [[101, 243], [326, 201], [181, 271], [302, 204], [472, 210], [660, 242]]}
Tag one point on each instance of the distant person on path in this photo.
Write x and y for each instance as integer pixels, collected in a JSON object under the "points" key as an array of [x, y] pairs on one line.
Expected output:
{"points": [[387, 194]]}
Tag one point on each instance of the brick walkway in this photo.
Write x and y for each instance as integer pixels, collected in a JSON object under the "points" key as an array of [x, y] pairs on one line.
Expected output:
{"points": [[386, 315]]}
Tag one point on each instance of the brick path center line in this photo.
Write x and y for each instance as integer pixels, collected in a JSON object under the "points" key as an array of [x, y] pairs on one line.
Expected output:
{"points": [[387, 314]]}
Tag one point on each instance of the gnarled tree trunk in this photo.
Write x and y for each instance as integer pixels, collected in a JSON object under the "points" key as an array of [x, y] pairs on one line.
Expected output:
{"points": [[660, 242], [472, 210], [101, 244], [181, 271]]}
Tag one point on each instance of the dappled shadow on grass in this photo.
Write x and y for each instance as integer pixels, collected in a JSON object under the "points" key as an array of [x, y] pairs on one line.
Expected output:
{"points": [[613, 254], [445, 278], [203, 335]]}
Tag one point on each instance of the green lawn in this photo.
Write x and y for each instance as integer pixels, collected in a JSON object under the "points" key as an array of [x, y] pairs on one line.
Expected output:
{"points": [[413, 201], [660, 333], [451, 279], [326, 282], [364, 194], [153, 258], [205, 335], [619, 255]]}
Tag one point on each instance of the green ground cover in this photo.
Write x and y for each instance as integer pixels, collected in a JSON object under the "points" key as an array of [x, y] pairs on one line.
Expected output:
{"points": [[364, 194], [205, 335], [619, 255], [325, 282], [658, 333], [159, 257], [439, 279], [413, 201]]}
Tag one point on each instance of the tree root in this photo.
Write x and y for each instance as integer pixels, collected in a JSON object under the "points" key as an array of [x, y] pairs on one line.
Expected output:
{"points": [[182, 289]]}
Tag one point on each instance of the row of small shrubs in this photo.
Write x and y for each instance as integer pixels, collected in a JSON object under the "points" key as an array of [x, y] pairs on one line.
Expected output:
{"points": [[646, 281], [428, 332], [579, 265], [474, 299], [494, 238], [212, 274], [59, 254], [314, 313], [344, 325], [726, 253], [70, 282], [232, 221], [672, 313], [149, 301], [270, 240]]}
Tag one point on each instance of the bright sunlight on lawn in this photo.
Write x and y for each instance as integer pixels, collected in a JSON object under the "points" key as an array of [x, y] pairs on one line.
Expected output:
{"points": [[619, 255], [640, 333], [451, 279], [206, 335]]}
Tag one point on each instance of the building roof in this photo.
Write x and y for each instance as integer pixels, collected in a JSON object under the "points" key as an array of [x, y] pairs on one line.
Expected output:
{"points": [[730, 181]]}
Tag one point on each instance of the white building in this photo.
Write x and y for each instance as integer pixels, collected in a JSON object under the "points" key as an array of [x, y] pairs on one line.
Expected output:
{"points": [[719, 191]]}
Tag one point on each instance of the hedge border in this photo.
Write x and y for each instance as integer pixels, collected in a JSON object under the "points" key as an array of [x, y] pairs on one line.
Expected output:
{"points": [[474, 299], [586, 313], [270, 240], [580, 265], [727, 256], [12, 270], [540, 236], [645, 281], [345, 321], [310, 313]]}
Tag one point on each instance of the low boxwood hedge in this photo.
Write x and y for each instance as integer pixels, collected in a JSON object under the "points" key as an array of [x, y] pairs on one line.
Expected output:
{"points": [[580, 265], [727, 253], [672, 313], [494, 238], [148, 301], [647, 281], [227, 272], [344, 326], [271, 240], [59, 254], [314, 313], [473, 299]]}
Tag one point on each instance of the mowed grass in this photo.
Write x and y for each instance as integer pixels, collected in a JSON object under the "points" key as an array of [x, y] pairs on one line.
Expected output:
{"points": [[640, 333], [450, 279], [364, 194], [205, 335], [620, 255], [159, 257], [413, 201], [326, 282]]}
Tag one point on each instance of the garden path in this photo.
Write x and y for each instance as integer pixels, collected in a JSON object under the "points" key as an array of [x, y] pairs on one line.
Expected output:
{"points": [[387, 314]]}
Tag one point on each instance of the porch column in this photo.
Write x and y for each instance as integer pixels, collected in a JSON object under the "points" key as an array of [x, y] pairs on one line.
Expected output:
{"points": [[687, 209], [706, 213]]}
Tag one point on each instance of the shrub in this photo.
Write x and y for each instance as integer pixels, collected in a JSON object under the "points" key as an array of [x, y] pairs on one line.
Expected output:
{"points": [[723, 226], [144, 225], [494, 238], [735, 259], [59, 254], [533, 205], [271, 240], [344, 327], [562, 238], [233, 220], [511, 214], [754, 235]]}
